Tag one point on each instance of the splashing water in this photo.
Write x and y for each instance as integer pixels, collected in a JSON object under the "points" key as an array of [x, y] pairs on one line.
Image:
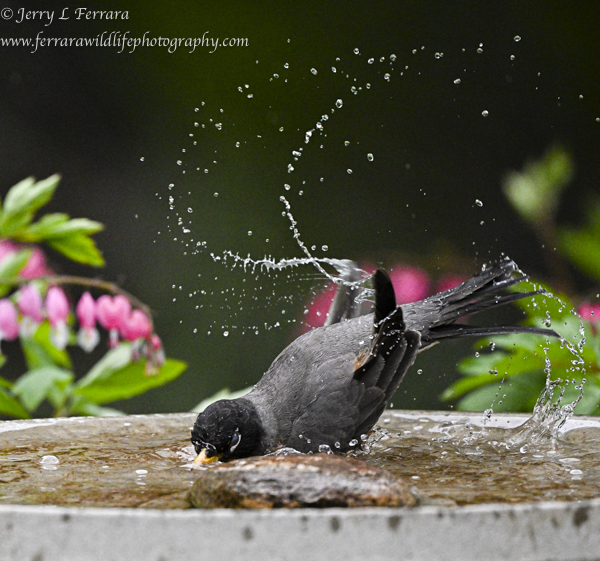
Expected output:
{"points": [[550, 413]]}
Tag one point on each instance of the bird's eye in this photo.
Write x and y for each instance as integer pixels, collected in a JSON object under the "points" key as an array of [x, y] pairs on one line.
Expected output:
{"points": [[235, 440]]}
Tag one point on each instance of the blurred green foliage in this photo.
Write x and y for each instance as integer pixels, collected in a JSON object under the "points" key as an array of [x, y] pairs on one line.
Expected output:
{"points": [[50, 375], [510, 372]]}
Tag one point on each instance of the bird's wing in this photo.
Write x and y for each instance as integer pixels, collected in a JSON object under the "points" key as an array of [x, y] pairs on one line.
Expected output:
{"points": [[354, 391]]}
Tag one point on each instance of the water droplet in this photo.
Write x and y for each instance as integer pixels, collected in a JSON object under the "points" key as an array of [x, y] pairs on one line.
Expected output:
{"points": [[142, 159], [370, 157], [249, 232], [348, 171], [371, 60], [353, 442], [225, 333], [339, 103], [290, 168], [219, 126], [333, 69], [392, 58], [356, 51], [517, 38], [49, 460], [324, 248], [325, 449], [478, 202], [485, 112], [313, 71], [457, 81], [438, 55], [216, 194], [141, 471], [512, 57], [287, 187], [190, 210], [386, 77]]}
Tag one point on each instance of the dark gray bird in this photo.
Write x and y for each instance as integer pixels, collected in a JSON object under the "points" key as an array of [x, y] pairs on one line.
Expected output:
{"points": [[331, 385]]}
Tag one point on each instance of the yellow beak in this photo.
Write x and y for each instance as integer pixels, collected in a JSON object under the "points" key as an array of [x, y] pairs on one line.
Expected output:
{"points": [[203, 459]]}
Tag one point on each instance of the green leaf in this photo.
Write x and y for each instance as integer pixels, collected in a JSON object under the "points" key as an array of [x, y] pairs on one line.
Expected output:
{"points": [[110, 384], [39, 350], [34, 386], [58, 225], [517, 394], [78, 247], [476, 365], [466, 385], [12, 407], [113, 360], [4, 383], [11, 265], [535, 191], [22, 201], [48, 223], [590, 402], [583, 248], [82, 406]]}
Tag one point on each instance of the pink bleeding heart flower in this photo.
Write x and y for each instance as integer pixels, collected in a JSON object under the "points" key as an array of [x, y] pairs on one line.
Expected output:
{"points": [[155, 342], [30, 304], [155, 355], [87, 336], [112, 313], [9, 321], [86, 310], [136, 326], [410, 284], [57, 308], [591, 314], [36, 266]]}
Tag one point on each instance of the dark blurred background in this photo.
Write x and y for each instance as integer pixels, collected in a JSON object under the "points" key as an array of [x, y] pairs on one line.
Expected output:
{"points": [[115, 125]]}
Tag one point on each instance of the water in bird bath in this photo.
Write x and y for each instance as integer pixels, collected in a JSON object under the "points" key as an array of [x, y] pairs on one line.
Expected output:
{"points": [[144, 461]]}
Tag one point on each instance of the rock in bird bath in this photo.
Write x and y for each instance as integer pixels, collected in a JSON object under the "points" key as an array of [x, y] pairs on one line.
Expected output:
{"points": [[299, 481]]}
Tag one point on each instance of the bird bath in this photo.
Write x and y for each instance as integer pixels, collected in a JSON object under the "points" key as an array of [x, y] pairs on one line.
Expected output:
{"points": [[484, 493]]}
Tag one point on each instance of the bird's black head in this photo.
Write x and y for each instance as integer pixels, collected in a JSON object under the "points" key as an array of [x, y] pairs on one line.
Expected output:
{"points": [[228, 429]]}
